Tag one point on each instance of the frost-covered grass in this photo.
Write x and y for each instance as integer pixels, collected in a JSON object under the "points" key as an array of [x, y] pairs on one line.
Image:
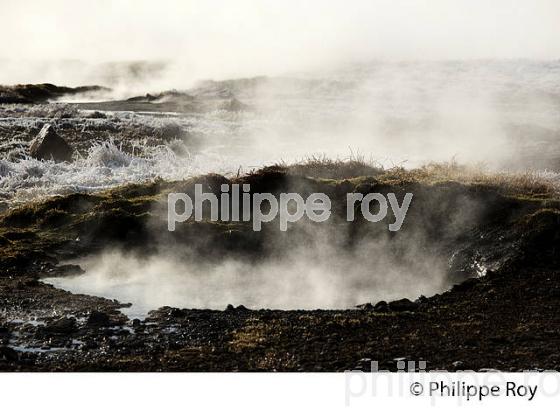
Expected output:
{"points": [[500, 113], [106, 165], [110, 150], [525, 183], [40, 110], [529, 183]]}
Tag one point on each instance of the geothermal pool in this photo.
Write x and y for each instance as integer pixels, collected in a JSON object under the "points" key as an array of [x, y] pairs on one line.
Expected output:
{"points": [[300, 282]]}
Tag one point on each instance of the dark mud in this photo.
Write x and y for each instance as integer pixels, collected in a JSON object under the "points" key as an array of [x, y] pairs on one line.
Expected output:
{"points": [[504, 316]]}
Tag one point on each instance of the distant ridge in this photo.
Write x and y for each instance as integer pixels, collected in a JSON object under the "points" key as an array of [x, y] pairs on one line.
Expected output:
{"points": [[41, 93]]}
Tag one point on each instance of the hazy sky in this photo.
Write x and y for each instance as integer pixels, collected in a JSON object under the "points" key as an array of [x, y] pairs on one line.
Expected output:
{"points": [[264, 36]]}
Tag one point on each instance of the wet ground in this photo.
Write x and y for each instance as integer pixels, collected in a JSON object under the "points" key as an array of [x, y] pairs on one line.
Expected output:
{"points": [[483, 247], [506, 321], [504, 317]]}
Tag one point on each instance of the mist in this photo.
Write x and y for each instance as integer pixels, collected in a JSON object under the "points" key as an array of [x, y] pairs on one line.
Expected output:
{"points": [[220, 39], [323, 275], [393, 83], [334, 264], [405, 106], [498, 115], [399, 82]]}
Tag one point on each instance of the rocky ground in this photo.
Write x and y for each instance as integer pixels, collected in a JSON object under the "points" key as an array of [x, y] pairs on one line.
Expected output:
{"points": [[479, 325], [505, 317], [498, 234], [132, 124]]}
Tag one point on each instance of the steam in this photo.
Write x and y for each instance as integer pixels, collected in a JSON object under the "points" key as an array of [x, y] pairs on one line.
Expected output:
{"points": [[326, 265], [318, 277], [477, 112], [219, 39], [396, 82], [501, 114]]}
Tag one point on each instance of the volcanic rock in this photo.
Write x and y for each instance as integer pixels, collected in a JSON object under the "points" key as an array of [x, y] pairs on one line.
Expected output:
{"points": [[8, 354], [98, 319], [49, 145], [365, 306], [62, 326], [381, 307], [403, 305]]}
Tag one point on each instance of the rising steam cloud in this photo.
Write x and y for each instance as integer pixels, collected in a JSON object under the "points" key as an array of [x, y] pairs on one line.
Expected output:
{"points": [[220, 39], [324, 275], [397, 82]]}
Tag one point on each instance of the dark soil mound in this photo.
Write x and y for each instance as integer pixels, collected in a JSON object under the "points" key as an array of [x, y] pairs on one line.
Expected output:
{"points": [[41, 93], [503, 318]]}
